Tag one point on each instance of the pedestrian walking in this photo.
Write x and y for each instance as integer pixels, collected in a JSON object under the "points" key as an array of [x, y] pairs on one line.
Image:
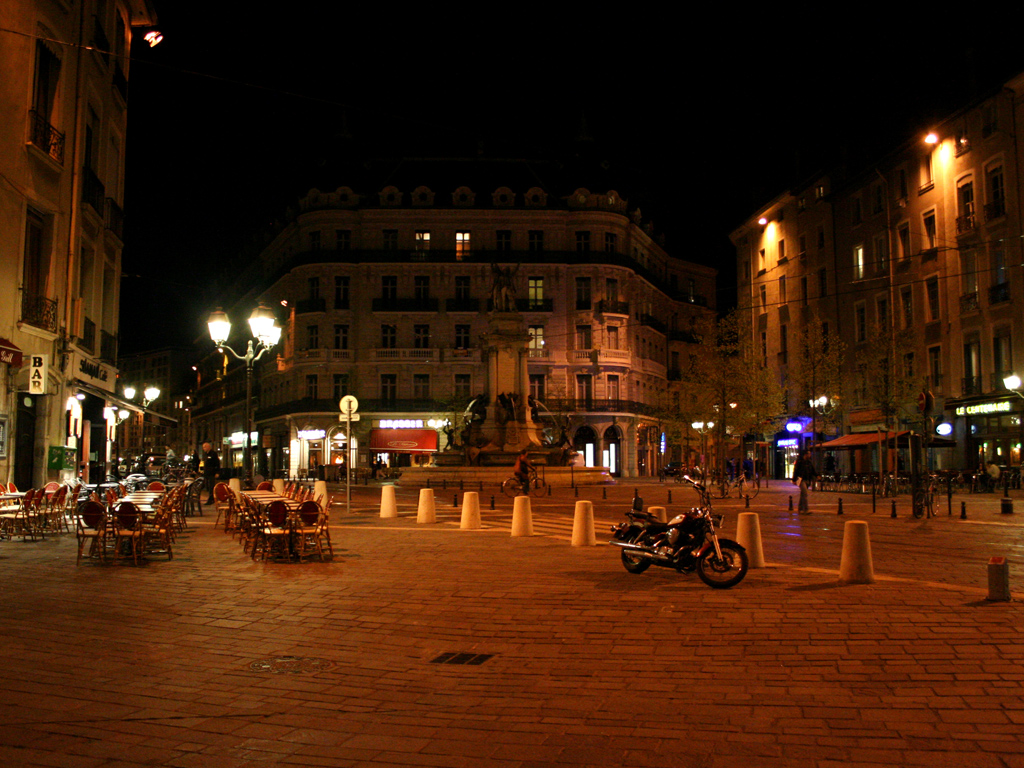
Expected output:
{"points": [[211, 468], [803, 475]]}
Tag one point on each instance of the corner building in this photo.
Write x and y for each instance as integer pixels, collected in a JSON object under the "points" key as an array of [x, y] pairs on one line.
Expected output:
{"points": [[384, 293], [924, 242]]}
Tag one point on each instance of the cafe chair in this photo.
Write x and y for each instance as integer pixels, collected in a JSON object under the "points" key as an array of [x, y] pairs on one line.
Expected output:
{"points": [[307, 527], [156, 485], [91, 527], [127, 522], [158, 534], [273, 533], [266, 485], [224, 500]]}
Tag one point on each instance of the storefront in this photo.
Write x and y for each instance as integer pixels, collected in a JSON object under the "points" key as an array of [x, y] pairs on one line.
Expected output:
{"points": [[991, 431], [402, 443]]}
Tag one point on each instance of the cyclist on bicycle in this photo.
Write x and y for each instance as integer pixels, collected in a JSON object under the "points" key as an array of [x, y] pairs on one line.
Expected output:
{"points": [[522, 471]]}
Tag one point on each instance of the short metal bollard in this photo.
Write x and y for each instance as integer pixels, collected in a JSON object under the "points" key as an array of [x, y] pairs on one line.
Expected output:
{"points": [[747, 504], [840, 506], [998, 579], [604, 493], [455, 500], [492, 502], [444, 484], [460, 485], [549, 489], [893, 515], [669, 495], [1006, 505], [790, 503], [428, 482], [576, 491], [963, 510]]}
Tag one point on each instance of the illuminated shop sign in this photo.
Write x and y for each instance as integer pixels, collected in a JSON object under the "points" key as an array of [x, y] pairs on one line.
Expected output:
{"points": [[788, 443], [238, 438], [312, 434], [401, 423], [970, 410]]}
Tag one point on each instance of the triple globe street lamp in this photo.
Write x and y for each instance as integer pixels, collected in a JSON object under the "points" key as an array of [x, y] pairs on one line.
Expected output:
{"points": [[266, 333]]}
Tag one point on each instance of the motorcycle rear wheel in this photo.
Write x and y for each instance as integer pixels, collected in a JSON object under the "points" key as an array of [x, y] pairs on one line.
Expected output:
{"points": [[634, 564], [725, 572]]}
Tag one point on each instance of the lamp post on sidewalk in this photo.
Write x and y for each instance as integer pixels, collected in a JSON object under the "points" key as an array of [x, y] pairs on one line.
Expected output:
{"points": [[266, 332], [1013, 383]]}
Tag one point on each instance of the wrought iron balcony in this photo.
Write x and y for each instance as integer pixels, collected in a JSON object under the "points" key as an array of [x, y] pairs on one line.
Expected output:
{"points": [[87, 340], [999, 293], [535, 305], [965, 224], [613, 307], [92, 190], [652, 322], [462, 305], [46, 137], [969, 302], [39, 311], [114, 218], [108, 346]]}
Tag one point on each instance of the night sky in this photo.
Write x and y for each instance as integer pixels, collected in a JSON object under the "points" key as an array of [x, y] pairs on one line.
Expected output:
{"points": [[233, 117]]}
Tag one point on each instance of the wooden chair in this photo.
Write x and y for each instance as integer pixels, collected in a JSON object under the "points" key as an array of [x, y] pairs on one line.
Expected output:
{"points": [[224, 501], [157, 534], [273, 531], [11, 488], [307, 526], [127, 523], [266, 485], [55, 519], [156, 485], [91, 526]]}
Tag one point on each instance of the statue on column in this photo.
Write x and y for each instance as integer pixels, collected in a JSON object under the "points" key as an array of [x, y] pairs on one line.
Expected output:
{"points": [[503, 289]]}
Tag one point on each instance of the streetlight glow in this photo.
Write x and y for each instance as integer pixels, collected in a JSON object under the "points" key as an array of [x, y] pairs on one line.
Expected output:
{"points": [[219, 325]]}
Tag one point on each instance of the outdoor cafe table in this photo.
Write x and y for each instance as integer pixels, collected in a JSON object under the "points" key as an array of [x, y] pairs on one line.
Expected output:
{"points": [[146, 501]]}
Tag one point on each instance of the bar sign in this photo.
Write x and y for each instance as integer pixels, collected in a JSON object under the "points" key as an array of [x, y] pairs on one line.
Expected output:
{"points": [[38, 369]]}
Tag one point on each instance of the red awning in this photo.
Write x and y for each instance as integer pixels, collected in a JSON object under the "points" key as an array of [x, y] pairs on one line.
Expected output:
{"points": [[403, 440], [9, 352], [861, 439]]}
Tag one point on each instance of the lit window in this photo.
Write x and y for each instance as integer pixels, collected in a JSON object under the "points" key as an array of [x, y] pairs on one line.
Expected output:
{"points": [[422, 240], [461, 245]]}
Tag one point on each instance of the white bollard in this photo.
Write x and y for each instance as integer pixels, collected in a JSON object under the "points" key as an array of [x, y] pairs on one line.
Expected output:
{"points": [[583, 525], [425, 511], [748, 536], [279, 487], [856, 567], [388, 505], [660, 513], [470, 511], [522, 516], [320, 491], [236, 488]]}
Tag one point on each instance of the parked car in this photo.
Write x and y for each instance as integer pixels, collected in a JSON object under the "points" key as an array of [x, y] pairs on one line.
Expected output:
{"points": [[674, 468]]}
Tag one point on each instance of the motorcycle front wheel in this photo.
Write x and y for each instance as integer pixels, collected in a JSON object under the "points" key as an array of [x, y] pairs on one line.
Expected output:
{"points": [[725, 572]]}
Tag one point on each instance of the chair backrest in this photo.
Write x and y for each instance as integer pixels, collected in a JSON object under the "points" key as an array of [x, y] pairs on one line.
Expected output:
{"points": [[51, 486], [127, 515], [57, 499], [29, 499], [121, 490], [221, 492], [12, 488], [266, 485], [93, 514], [309, 512], [156, 485], [277, 514]]}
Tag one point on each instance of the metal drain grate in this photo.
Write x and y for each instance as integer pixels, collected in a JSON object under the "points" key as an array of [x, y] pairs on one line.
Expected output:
{"points": [[471, 659], [291, 665]]}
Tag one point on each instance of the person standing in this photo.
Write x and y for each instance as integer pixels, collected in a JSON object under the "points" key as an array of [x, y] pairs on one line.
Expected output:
{"points": [[211, 468], [803, 475]]}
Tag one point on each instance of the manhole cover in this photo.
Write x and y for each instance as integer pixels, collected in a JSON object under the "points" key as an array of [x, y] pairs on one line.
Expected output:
{"points": [[291, 665]]}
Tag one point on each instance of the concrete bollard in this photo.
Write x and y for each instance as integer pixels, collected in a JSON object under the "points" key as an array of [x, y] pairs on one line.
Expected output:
{"points": [[425, 512], [748, 536], [320, 490], [522, 516], [236, 488], [855, 566], [388, 505], [470, 511], [660, 513], [279, 486], [998, 579], [583, 534]]}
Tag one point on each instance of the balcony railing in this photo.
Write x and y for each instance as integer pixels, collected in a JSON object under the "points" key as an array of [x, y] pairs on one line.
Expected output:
{"points": [[335, 355], [965, 224], [995, 210], [92, 190], [927, 254], [421, 355], [613, 307], [39, 311], [535, 305], [969, 302], [652, 322], [462, 305], [46, 137], [538, 353], [108, 346], [596, 405], [87, 340], [999, 293], [404, 305], [971, 385], [114, 218], [315, 304], [601, 356]]}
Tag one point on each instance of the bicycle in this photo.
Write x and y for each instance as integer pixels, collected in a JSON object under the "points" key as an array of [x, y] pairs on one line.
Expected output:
{"points": [[743, 485], [925, 503], [513, 486]]}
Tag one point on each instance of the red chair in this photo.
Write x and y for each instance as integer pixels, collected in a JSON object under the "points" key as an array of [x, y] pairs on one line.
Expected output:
{"points": [[127, 523], [273, 533], [156, 485], [266, 485], [91, 525]]}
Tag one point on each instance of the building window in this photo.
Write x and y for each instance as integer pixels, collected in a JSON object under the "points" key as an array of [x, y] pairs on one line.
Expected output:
{"points": [[1002, 357], [763, 291], [903, 234], [613, 387], [536, 343], [998, 256], [313, 285], [611, 242], [340, 385], [341, 292], [388, 387], [968, 271], [421, 336], [537, 386], [343, 239], [389, 288], [861, 323], [907, 301], [782, 251], [612, 332], [536, 240], [314, 240], [764, 349], [901, 182], [762, 261], [996, 205], [822, 283], [821, 237], [856, 217], [341, 337], [803, 290], [504, 240], [931, 288], [583, 298], [585, 389], [882, 308], [935, 367], [461, 288], [312, 337], [422, 241], [782, 290], [908, 365], [390, 239], [388, 337], [582, 242], [972, 365], [535, 292], [462, 249], [583, 337], [462, 336], [858, 262], [881, 245], [312, 387], [421, 386], [463, 386], [611, 290], [929, 231], [421, 287], [965, 206]]}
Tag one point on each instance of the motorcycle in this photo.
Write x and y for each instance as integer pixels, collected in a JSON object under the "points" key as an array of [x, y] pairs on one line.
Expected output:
{"points": [[688, 542]]}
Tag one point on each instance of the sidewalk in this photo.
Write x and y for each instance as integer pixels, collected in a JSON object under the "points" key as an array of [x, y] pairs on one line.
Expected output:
{"points": [[212, 660]]}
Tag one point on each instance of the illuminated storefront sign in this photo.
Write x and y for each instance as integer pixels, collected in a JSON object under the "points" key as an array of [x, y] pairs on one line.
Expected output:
{"points": [[312, 434], [971, 410], [788, 443], [401, 423], [237, 438]]}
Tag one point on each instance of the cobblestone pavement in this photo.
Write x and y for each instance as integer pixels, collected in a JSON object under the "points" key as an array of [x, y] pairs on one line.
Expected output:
{"points": [[213, 660]]}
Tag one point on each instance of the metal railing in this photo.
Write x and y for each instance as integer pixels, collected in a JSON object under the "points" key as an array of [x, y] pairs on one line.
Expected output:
{"points": [[46, 137], [39, 311]]}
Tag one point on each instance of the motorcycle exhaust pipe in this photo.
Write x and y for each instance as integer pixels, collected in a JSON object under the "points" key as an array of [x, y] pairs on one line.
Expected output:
{"points": [[639, 551]]}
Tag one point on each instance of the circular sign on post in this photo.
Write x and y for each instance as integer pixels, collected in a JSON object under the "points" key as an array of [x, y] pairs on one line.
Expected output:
{"points": [[348, 404]]}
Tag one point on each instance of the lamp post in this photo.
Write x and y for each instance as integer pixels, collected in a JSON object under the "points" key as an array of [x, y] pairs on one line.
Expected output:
{"points": [[1013, 383], [266, 332], [703, 427]]}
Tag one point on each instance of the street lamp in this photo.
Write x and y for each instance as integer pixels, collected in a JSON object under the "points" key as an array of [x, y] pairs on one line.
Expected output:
{"points": [[266, 333], [703, 427], [1013, 383]]}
